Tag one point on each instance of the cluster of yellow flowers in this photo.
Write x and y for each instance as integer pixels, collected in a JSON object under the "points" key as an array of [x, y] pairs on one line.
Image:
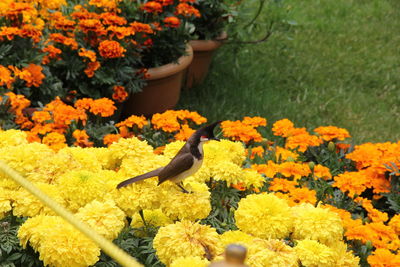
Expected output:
{"points": [[286, 227]]}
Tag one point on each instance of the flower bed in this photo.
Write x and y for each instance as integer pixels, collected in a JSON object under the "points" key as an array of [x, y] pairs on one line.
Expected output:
{"points": [[296, 198]]}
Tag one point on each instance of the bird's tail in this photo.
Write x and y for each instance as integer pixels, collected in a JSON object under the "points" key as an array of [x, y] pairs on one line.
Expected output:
{"points": [[139, 178]]}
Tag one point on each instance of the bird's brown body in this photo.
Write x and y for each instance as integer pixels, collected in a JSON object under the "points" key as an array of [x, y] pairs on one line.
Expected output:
{"points": [[186, 162]]}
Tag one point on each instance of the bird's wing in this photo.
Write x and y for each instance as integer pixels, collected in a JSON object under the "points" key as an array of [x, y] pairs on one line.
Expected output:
{"points": [[140, 177], [179, 164]]}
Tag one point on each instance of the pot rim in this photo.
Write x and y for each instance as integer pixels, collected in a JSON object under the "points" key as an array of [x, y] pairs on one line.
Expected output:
{"points": [[208, 45], [171, 68]]}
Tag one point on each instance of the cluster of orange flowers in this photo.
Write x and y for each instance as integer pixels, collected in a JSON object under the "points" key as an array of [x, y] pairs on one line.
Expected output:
{"points": [[32, 75], [50, 124], [244, 130]]}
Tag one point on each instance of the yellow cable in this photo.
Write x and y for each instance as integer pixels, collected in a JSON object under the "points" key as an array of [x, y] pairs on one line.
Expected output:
{"points": [[107, 246]]}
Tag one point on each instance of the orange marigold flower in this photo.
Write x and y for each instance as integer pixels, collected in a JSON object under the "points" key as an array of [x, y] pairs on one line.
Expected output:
{"points": [[91, 68], [111, 49], [239, 186], [112, 19], [297, 170], [55, 141], [159, 150], [119, 32], [83, 103], [5, 77], [269, 169], [61, 22], [395, 223], [32, 137], [302, 195], [281, 184], [283, 128], [374, 214], [41, 116], [322, 172], [282, 154], [187, 10], [255, 121], [67, 41], [166, 2], [383, 257], [91, 55], [172, 22], [346, 216], [141, 27], [351, 182], [329, 133], [104, 107], [169, 121], [64, 115], [184, 133], [238, 131], [256, 151], [53, 52], [106, 4], [30, 31], [119, 94], [82, 138], [9, 32], [342, 146], [92, 25], [152, 7], [111, 138], [132, 121], [18, 102], [36, 76], [302, 141]]}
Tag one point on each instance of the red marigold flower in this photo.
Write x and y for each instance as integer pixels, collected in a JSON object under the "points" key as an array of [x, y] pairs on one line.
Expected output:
{"points": [[172, 22], [111, 49], [187, 10], [119, 94], [91, 68], [152, 7]]}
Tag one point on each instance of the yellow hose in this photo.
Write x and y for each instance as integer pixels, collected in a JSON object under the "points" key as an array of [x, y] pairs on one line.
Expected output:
{"points": [[107, 246]]}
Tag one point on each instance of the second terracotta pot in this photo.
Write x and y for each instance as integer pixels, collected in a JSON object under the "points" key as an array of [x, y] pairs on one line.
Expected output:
{"points": [[203, 51], [163, 88]]}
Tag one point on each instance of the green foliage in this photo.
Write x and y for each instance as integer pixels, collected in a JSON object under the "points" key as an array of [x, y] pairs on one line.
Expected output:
{"points": [[11, 253], [6, 116]]}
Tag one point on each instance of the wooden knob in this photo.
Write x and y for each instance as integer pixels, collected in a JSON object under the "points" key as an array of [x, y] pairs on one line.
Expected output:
{"points": [[235, 254]]}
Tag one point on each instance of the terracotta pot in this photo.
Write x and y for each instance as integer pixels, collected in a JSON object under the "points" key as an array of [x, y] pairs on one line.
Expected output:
{"points": [[203, 51], [162, 91]]}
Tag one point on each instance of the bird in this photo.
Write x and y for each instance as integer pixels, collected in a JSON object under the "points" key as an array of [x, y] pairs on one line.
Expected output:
{"points": [[186, 162]]}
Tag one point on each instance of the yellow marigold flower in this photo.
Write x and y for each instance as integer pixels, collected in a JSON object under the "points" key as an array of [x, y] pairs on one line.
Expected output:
{"points": [[138, 196], [153, 217], [224, 150], [129, 148], [283, 128], [81, 187], [25, 158], [313, 254], [311, 223], [12, 138], [192, 261], [272, 253], [343, 257], [185, 239], [236, 237], [264, 216], [82, 158], [178, 205], [58, 243], [5, 204], [104, 217], [173, 148], [27, 205], [329, 133], [382, 257]]}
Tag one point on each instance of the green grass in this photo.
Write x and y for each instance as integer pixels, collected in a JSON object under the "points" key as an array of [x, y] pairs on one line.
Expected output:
{"points": [[340, 65]]}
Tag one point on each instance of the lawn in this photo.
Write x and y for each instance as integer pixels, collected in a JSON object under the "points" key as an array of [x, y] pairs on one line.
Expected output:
{"points": [[338, 64]]}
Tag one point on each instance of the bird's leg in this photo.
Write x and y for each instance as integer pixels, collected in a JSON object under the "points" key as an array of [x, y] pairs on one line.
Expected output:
{"points": [[181, 187]]}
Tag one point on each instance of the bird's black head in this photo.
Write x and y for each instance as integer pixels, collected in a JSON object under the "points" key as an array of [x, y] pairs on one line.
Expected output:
{"points": [[205, 133]]}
